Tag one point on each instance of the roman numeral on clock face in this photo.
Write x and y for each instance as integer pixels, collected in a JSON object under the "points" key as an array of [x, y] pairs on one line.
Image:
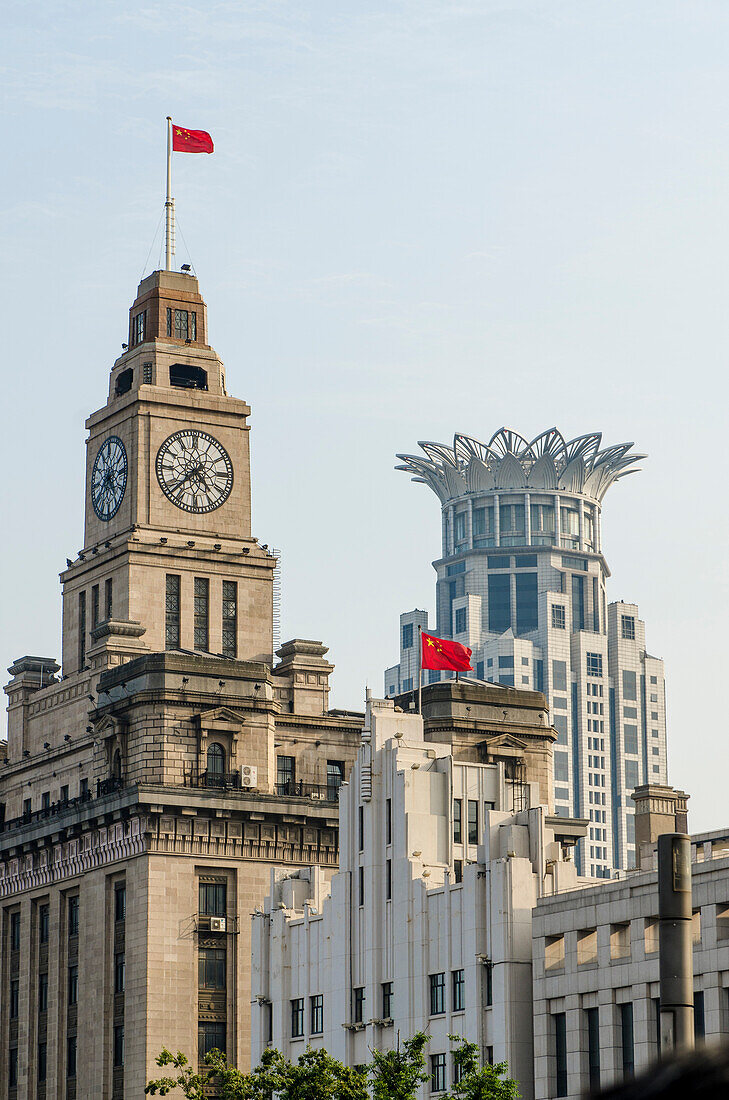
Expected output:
{"points": [[194, 471]]}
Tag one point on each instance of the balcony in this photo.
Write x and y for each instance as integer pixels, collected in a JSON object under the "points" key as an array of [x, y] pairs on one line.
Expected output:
{"points": [[220, 781], [292, 789]]}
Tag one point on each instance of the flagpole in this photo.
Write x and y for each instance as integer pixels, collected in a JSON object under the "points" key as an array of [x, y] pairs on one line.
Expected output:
{"points": [[169, 203], [420, 666]]}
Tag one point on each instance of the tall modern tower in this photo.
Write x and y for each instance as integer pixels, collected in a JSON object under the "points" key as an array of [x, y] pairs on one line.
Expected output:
{"points": [[522, 581]]}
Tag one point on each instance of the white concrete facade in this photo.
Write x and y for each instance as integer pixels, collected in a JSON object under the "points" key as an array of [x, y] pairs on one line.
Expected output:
{"points": [[428, 923], [522, 581], [596, 951]]}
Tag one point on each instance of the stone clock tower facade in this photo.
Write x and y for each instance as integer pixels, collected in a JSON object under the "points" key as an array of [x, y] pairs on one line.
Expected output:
{"points": [[151, 781], [168, 555]]}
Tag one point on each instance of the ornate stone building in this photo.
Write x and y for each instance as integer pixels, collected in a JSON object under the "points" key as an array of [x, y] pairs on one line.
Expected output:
{"points": [[150, 782]]}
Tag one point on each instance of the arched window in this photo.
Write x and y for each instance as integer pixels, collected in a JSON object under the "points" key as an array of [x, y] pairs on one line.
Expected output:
{"points": [[116, 765], [216, 759]]}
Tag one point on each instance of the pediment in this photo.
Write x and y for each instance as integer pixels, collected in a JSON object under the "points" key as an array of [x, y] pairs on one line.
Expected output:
{"points": [[504, 742], [219, 718]]}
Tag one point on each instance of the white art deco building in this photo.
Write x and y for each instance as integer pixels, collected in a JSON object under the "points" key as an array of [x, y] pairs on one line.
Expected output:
{"points": [[522, 581]]}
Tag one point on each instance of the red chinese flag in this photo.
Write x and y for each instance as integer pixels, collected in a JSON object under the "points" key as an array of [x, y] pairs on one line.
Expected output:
{"points": [[190, 141], [439, 654]]}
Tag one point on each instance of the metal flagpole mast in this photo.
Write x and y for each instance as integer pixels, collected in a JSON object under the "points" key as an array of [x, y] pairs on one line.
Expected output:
{"points": [[420, 665], [169, 203]]}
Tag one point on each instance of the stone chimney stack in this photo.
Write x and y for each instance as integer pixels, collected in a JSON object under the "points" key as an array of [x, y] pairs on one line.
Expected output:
{"points": [[658, 810]]}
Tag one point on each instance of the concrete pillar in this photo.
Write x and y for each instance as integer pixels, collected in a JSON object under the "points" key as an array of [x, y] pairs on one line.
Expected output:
{"points": [[674, 939]]}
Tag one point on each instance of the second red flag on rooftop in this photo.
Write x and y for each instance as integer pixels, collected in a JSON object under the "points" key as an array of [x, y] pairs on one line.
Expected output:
{"points": [[441, 654], [191, 141]]}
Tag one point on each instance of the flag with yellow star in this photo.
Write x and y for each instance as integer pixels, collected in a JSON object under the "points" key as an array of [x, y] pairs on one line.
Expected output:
{"points": [[190, 141], [440, 653]]}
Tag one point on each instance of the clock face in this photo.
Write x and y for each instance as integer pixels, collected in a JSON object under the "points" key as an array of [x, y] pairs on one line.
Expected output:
{"points": [[109, 478], [194, 471]]}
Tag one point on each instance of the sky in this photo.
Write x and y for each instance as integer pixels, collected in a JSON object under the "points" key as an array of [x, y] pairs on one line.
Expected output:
{"points": [[421, 217]]}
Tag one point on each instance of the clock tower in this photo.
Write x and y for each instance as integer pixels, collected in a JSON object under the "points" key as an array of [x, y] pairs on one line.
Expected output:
{"points": [[168, 560]]}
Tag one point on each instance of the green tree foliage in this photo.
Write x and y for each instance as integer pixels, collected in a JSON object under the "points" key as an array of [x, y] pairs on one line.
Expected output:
{"points": [[396, 1074], [479, 1082]]}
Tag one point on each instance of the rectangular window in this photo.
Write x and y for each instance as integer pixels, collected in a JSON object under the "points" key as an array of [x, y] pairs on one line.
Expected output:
{"points": [[297, 1017], [388, 879], [120, 901], [285, 773], [387, 1000], [559, 618], [211, 968], [630, 685], [81, 629], [213, 899], [388, 821], [335, 778], [13, 1067], [210, 1036], [472, 821], [360, 887], [483, 522], [64, 793], [42, 1064], [407, 636], [699, 1019], [73, 984], [230, 619], [172, 612], [506, 661], [631, 774], [593, 1046], [71, 1056], [43, 923], [458, 870], [460, 620], [360, 827], [559, 675], [527, 616], [14, 998], [42, 992], [138, 326], [46, 800], [119, 972], [438, 1072], [437, 994], [630, 739], [560, 1053], [317, 1013], [94, 606], [180, 322], [499, 586], [27, 807], [458, 990], [594, 664], [72, 916], [578, 603], [201, 609], [119, 1045], [627, 627], [626, 1036], [460, 527], [511, 524], [84, 788], [358, 1001], [457, 821]]}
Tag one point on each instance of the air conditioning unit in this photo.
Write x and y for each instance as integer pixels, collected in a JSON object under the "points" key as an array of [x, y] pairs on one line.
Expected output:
{"points": [[248, 777], [217, 924]]}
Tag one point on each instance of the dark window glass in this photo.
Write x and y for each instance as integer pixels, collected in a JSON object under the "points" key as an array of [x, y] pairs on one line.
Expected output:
{"points": [[358, 1001], [458, 990], [595, 606], [360, 827], [489, 983], [14, 998], [527, 615], [15, 931], [42, 1063], [499, 602], [64, 793], [73, 916], [120, 901], [180, 319], [388, 879], [472, 821], [626, 1036], [407, 636], [119, 972], [73, 984], [94, 606], [317, 1014], [285, 772], [71, 1056], [211, 1036], [387, 1000], [594, 664], [699, 1020], [43, 919], [506, 660], [578, 602], [437, 994], [460, 620], [457, 821], [559, 620], [335, 778], [388, 821], [211, 968], [42, 992], [138, 324], [438, 1072], [559, 675], [84, 788], [172, 612], [230, 618], [13, 1067], [593, 1046], [630, 685], [216, 759], [627, 627], [81, 629], [201, 608], [458, 870], [498, 562], [46, 800], [212, 899], [361, 885], [109, 597], [560, 1053], [119, 1045]]}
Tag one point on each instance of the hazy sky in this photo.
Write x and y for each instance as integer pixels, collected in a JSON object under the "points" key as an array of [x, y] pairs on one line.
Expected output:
{"points": [[421, 217]]}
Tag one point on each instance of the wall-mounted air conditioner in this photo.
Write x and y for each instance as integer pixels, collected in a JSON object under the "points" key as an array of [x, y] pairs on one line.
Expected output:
{"points": [[217, 924], [248, 777]]}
